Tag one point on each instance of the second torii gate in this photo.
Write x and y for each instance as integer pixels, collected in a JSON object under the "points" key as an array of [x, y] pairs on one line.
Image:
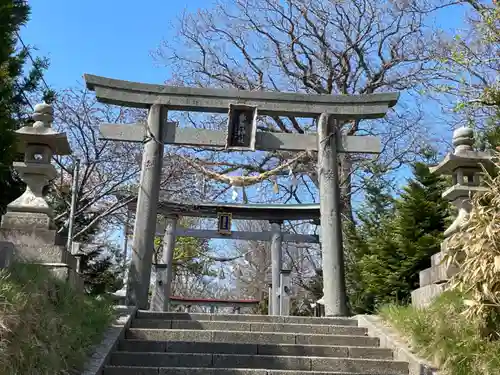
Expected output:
{"points": [[275, 214], [242, 108]]}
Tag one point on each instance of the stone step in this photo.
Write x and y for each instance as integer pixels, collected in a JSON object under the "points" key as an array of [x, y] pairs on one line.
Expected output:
{"points": [[423, 296], [437, 259], [142, 314], [437, 275], [134, 370], [262, 349], [371, 366], [249, 326], [249, 337]]}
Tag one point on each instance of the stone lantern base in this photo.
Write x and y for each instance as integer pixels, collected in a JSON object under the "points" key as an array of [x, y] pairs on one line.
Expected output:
{"points": [[29, 221], [40, 246], [29, 227]]}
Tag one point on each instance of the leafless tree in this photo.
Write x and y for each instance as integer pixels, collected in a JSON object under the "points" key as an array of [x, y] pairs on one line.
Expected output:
{"points": [[109, 170], [252, 270], [470, 65], [106, 167], [314, 46]]}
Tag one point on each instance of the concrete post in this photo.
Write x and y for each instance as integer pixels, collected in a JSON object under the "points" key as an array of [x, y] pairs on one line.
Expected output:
{"points": [[330, 212], [162, 288], [139, 275], [285, 291], [74, 196], [158, 302], [276, 262], [269, 302], [168, 258]]}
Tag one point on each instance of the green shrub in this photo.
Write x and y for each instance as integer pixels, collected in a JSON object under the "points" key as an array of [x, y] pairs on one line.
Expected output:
{"points": [[45, 326], [445, 336]]}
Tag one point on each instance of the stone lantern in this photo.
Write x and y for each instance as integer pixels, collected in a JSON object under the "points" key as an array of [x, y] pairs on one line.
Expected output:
{"points": [[465, 165], [38, 143], [28, 223]]}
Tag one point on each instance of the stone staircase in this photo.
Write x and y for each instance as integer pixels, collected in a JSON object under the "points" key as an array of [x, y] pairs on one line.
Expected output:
{"points": [[203, 344]]}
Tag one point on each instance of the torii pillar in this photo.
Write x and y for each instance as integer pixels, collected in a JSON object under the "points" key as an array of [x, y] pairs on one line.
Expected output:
{"points": [[276, 263], [334, 287], [139, 275]]}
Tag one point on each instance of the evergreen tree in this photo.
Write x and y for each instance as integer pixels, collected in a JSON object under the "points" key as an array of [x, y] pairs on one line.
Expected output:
{"points": [[101, 269], [15, 89], [422, 217], [373, 216], [394, 244]]}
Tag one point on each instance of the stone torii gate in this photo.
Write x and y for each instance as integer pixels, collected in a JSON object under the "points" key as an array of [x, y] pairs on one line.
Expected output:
{"points": [[242, 108], [275, 214]]}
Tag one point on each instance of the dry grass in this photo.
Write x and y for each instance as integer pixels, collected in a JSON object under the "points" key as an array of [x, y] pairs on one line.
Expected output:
{"points": [[45, 327], [477, 251]]}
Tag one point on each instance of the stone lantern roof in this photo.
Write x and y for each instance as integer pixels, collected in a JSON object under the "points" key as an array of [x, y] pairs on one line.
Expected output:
{"points": [[463, 156], [465, 165], [41, 132]]}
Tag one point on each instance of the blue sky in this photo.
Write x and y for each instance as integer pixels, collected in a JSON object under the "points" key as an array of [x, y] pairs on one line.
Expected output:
{"points": [[108, 37], [113, 38]]}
